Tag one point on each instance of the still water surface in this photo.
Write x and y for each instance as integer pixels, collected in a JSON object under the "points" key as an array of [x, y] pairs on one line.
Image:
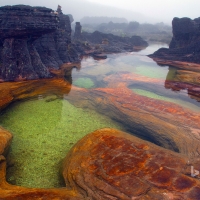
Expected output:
{"points": [[45, 128]]}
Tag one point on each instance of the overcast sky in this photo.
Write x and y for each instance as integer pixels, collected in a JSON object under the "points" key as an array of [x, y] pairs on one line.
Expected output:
{"points": [[140, 10]]}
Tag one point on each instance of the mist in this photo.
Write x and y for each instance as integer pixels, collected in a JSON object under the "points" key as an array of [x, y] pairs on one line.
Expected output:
{"points": [[142, 11]]}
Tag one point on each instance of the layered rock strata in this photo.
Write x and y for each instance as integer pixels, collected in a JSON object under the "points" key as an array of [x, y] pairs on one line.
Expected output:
{"points": [[185, 43], [19, 27], [56, 48], [110, 164], [33, 40], [163, 123]]}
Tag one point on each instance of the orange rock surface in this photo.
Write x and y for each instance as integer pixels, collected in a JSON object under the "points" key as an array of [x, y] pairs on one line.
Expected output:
{"points": [[179, 64], [12, 192], [12, 91], [110, 164], [164, 123]]}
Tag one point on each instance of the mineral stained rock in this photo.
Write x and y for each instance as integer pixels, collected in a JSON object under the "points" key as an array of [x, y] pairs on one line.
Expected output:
{"points": [[163, 123], [185, 44], [109, 164], [33, 41], [13, 91], [5, 139]]}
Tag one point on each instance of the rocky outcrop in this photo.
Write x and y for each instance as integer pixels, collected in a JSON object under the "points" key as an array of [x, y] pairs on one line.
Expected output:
{"points": [[77, 34], [33, 41], [185, 44], [99, 44], [19, 27], [163, 123], [113, 44], [56, 48], [110, 164], [13, 91]]}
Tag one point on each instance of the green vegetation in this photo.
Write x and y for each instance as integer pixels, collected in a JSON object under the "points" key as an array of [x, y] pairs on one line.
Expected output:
{"points": [[44, 131]]}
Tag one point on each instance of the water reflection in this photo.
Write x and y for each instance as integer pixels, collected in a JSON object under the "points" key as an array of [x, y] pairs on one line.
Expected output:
{"points": [[129, 88]]}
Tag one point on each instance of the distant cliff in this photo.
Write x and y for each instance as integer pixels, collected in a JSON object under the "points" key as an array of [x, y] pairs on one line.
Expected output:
{"points": [[33, 40], [185, 44]]}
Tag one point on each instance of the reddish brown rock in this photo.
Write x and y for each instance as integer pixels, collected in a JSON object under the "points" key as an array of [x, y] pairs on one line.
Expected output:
{"points": [[179, 64], [5, 139], [163, 123], [12, 91], [110, 164], [12, 192]]}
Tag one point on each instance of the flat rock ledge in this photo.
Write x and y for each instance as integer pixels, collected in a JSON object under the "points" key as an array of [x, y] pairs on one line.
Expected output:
{"points": [[109, 164]]}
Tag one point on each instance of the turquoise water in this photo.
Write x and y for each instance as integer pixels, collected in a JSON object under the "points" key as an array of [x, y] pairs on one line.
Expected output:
{"points": [[45, 129]]}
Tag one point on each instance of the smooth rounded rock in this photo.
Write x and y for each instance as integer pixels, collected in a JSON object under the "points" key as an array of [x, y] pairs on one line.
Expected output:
{"points": [[110, 164]]}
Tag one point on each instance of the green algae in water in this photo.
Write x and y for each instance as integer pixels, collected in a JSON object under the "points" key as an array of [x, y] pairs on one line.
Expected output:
{"points": [[164, 98], [152, 72], [84, 83], [43, 134]]}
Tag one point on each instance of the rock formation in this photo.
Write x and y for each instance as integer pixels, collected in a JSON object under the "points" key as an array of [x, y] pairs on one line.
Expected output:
{"points": [[33, 40], [56, 48], [185, 44], [110, 164], [19, 27], [77, 34], [99, 44], [163, 123], [113, 44], [14, 91]]}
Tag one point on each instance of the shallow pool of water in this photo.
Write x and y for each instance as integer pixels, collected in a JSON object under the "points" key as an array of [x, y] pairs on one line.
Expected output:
{"points": [[44, 129]]}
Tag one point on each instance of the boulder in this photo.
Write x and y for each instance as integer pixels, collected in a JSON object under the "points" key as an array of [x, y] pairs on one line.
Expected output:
{"points": [[110, 164]]}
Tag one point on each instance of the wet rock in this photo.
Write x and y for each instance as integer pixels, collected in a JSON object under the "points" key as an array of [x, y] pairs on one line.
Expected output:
{"points": [[5, 140], [99, 56], [163, 123], [185, 43], [13, 91], [109, 164]]}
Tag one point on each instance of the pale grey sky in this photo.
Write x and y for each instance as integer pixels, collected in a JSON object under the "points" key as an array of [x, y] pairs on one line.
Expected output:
{"points": [[140, 10]]}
